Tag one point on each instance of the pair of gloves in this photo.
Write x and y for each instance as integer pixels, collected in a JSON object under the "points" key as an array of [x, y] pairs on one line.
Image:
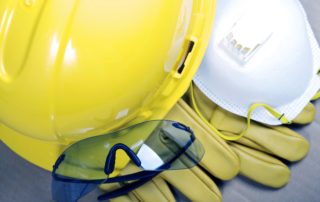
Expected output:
{"points": [[258, 155]]}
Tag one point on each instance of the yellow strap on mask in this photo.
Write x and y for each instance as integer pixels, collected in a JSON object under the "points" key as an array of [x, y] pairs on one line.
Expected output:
{"points": [[270, 109], [316, 96]]}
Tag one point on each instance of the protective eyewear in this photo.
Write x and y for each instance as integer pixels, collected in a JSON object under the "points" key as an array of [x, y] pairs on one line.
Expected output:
{"points": [[153, 146]]}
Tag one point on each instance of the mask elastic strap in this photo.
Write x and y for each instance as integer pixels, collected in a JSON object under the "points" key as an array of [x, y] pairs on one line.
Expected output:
{"points": [[316, 96], [270, 109], [195, 107]]}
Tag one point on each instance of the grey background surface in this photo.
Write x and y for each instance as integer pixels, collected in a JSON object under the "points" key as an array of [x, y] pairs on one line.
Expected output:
{"points": [[21, 181]]}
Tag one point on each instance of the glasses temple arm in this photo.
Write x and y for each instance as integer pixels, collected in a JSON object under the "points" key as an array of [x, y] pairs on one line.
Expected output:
{"points": [[111, 158]]}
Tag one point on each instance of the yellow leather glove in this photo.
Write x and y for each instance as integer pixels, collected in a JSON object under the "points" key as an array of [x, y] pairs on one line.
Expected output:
{"points": [[258, 151], [255, 150], [262, 147], [200, 188], [195, 183]]}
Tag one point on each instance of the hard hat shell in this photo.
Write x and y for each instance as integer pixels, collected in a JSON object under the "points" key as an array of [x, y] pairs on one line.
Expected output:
{"points": [[74, 69]]}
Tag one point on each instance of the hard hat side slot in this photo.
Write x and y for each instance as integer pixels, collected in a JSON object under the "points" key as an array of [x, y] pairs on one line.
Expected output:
{"points": [[190, 45]]}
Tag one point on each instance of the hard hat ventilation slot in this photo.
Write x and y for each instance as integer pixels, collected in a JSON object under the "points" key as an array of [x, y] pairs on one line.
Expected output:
{"points": [[184, 57]]}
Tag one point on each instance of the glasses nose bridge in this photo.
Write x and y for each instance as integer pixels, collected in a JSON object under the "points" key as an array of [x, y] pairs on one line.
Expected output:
{"points": [[111, 157]]}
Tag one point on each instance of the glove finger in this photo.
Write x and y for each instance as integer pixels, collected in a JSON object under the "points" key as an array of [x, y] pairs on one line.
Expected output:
{"points": [[154, 190], [107, 187], [289, 144], [219, 159], [125, 198], [261, 167], [194, 184], [307, 115]]}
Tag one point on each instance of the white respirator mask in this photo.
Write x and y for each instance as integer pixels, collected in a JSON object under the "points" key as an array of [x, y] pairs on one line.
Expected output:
{"points": [[263, 60]]}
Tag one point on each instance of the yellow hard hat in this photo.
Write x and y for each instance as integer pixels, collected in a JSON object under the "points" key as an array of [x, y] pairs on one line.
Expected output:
{"points": [[74, 69]]}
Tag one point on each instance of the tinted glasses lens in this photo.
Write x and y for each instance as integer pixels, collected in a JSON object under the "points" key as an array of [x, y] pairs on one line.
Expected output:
{"points": [[173, 147], [159, 145]]}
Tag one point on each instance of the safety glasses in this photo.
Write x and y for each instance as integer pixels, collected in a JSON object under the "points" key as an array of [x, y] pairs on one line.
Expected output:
{"points": [[152, 146]]}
